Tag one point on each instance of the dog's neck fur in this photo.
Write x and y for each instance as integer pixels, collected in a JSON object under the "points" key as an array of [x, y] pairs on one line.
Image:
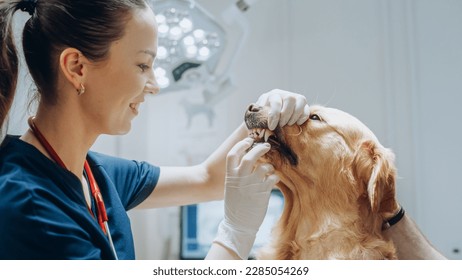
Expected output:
{"points": [[307, 231]]}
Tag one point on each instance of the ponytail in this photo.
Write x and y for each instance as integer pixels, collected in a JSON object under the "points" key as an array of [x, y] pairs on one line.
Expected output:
{"points": [[8, 59]]}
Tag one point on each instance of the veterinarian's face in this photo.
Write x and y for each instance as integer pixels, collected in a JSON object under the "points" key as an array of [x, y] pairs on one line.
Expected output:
{"points": [[120, 83]]}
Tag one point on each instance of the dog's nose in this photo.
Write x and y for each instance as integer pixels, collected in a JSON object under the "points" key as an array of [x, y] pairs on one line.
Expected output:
{"points": [[254, 108]]}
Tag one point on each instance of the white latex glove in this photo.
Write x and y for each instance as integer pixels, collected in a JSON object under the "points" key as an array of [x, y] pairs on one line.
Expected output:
{"points": [[285, 108], [248, 186]]}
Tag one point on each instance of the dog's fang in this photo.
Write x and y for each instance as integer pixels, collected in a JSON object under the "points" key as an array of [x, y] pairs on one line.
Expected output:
{"points": [[268, 133]]}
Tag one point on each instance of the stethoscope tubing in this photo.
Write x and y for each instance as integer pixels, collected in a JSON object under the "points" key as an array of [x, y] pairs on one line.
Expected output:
{"points": [[109, 237]]}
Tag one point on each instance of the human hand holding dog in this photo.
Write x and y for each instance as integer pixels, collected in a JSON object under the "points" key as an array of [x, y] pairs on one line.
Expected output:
{"points": [[248, 185], [285, 108]]}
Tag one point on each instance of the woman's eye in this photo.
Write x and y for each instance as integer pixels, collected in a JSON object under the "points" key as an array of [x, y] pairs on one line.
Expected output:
{"points": [[315, 117], [143, 67]]}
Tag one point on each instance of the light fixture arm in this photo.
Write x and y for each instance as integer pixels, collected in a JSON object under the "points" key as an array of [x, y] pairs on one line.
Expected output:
{"points": [[233, 15], [192, 3]]}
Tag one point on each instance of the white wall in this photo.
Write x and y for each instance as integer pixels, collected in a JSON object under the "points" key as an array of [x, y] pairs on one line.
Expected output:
{"points": [[437, 96], [396, 65]]}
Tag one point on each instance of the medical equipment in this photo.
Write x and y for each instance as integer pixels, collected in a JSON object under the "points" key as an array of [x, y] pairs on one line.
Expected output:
{"points": [[198, 50], [191, 43], [95, 191]]}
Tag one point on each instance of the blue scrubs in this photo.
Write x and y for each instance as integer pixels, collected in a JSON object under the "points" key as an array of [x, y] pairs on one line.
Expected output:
{"points": [[43, 213]]}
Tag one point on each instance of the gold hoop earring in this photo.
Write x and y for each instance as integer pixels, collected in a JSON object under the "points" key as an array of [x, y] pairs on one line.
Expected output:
{"points": [[81, 90]]}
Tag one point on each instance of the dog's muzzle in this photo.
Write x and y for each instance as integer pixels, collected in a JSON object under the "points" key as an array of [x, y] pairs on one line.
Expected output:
{"points": [[256, 120]]}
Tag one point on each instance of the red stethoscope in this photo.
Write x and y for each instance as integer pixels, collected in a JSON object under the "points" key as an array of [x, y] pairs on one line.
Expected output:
{"points": [[95, 192]]}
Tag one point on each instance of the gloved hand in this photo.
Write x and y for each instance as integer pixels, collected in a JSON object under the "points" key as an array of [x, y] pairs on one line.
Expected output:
{"points": [[248, 187], [285, 108]]}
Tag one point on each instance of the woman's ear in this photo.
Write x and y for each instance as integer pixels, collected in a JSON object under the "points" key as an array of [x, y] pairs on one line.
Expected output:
{"points": [[374, 168], [73, 65]]}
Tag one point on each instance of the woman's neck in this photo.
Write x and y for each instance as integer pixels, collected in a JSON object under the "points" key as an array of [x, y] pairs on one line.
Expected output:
{"points": [[66, 131]]}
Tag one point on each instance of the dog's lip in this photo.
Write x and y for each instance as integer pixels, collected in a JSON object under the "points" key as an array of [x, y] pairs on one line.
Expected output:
{"points": [[275, 138], [260, 134], [263, 135]]}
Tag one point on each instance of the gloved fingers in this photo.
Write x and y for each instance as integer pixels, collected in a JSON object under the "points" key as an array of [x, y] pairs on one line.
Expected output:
{"points": [[249, 160], [260, 181], [299, 110], [305, 115], [264, 187], [272, 179], [285, 108], [233, 159], [263, 170], [274, 115], [293, 108], [263, 99]]}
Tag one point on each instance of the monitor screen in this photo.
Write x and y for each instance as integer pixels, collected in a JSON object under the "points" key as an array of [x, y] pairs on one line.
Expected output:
{"points": [[199, 225]]}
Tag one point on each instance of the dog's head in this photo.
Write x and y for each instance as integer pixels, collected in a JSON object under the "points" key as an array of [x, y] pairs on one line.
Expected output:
{"points": [[332, 154]]}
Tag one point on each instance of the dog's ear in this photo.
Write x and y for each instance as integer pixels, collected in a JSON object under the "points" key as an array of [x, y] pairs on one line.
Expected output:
{"points": [[374, 167]]}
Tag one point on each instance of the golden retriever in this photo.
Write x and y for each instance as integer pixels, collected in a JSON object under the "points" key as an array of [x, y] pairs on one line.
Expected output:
{"points": [[338, 184]]}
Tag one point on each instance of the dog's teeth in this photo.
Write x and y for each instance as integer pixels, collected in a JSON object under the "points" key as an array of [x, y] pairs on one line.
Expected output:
{"points": [[267, 135], [260, 133]]}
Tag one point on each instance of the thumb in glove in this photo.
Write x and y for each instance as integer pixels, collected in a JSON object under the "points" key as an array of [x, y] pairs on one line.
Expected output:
{"points": [[248, 186]]}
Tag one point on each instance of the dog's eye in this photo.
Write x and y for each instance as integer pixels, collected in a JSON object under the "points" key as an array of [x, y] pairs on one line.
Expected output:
{"points": [[315, 117]]}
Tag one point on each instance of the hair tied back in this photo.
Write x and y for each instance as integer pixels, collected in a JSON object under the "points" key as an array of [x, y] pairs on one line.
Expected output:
{"points": [[27, 6]]}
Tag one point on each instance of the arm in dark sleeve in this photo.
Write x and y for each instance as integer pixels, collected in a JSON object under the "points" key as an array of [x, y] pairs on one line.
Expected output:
{"points": [[133, 180]]}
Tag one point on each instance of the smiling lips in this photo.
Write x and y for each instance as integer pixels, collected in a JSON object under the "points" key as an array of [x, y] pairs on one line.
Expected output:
{"points": [[134, 107]]}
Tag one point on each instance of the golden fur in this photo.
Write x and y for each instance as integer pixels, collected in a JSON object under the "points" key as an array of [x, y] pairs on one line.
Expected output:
{"points": [[338, 183]]}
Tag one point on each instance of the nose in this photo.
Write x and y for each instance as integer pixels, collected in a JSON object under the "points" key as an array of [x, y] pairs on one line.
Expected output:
{"points": [[152, 86], [254, 108]]}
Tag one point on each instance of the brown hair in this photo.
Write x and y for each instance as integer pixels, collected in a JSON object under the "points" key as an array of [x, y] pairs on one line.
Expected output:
{"points": [[89, 26]]}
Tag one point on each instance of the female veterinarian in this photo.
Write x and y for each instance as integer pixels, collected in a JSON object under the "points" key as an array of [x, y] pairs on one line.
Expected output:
{"points": [[92, 63]]}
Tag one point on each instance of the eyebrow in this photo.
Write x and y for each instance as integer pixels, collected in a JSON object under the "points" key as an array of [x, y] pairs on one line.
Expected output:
{"points": [[149, 52]]}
